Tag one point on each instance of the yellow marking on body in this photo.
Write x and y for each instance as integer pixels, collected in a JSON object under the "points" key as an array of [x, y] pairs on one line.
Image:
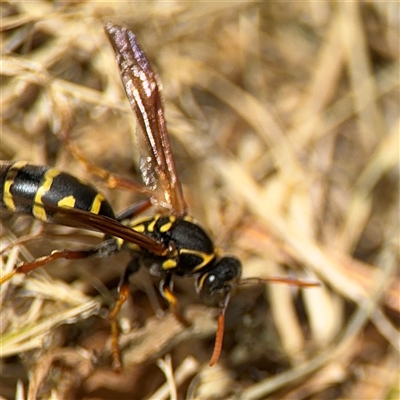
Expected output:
{"points": [[38, 207], [142, 220], [133, 247], [96, 204], [7, 196], [200, 282], [206, 257], [120, 242], [169, 264], [150, 226], [68, 201], [139, 228], [39, 212], [166, 227], [188, 218], [10, 178]]}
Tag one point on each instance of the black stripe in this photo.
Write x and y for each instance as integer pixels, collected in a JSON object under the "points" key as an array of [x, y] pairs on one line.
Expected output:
{"points": [[25, 185]]}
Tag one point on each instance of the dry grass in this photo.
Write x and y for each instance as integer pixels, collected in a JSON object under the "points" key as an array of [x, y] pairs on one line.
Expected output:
{"points": [[284, 119]]}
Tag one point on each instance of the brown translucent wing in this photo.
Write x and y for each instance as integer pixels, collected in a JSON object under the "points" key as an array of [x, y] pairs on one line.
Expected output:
{"points": [[143, 92], [84, 219]]}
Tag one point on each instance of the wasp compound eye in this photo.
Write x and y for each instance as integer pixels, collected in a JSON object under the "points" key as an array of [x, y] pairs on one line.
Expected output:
{"points": [[222, 278]]}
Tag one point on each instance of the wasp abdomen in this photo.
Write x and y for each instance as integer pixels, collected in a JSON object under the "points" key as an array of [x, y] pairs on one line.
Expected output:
{"points": [[34, 189]]}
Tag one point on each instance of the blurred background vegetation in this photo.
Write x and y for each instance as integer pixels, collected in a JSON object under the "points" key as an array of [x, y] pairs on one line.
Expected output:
{"points": [[284, 121]]}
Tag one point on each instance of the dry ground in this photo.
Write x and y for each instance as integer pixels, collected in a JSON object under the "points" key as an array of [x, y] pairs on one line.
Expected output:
{"points": [[284, 120]]}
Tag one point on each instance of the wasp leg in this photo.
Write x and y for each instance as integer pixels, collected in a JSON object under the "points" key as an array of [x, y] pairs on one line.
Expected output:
{"points": [[123, 293], [113, 180], [105, 249], [134, 210], [166, 289]]}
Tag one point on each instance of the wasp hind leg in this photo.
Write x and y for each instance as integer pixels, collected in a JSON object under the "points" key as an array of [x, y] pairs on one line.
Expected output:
{"points": [[104, 249]]}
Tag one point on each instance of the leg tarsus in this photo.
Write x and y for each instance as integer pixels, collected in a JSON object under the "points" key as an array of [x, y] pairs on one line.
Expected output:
{"points": [[123, 294]]}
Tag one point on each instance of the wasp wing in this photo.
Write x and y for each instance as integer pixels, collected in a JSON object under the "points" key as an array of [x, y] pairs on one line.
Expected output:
{"points": [[101, 223], [77, 218], [144, 95], [87, 220]]}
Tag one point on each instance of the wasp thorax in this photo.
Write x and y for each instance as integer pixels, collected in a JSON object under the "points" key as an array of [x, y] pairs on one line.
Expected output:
{"points": [[213, 285]]}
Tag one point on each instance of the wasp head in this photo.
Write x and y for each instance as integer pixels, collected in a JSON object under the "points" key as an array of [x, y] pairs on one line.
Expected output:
{"points": [[222, 277]]}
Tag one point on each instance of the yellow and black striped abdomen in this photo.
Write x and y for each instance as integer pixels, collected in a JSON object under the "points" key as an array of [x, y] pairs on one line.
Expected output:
{"points": [[39, 190]]}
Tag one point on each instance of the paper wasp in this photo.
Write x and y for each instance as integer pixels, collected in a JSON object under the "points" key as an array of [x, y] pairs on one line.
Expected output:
{"points": [[169, 243]]}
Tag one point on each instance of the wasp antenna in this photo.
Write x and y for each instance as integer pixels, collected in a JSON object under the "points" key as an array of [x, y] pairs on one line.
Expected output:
{"points": [[288, 281], [219, 336]]}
